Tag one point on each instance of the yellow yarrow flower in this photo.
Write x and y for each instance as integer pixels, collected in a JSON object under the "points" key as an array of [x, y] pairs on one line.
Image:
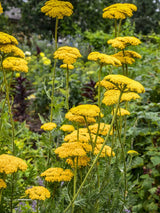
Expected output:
{"points": [[122, 82], [15, 64], [132, 152], [107, 85], [123, 42], [74, 149], [59, 9], [82, 161], [79, 119], [47, 62], [104, 59], [11, 49], [2, 184], [7, 39], [111, 97], [86, 110], [103, 129], [57, 175], [67, 128], [119, 11], [67, 66], [107, 151], [10, 164], [68, 54], [38, 193], [1, 8], [121, 112], [42, 54], [48, 126]]}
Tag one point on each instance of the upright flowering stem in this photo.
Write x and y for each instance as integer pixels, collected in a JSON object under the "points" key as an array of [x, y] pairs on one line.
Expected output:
{"points": [[99, 86], [54, 69], [96, 158], [115, 26], [119, 27], [75, 179], [67, 88], [9, 108], [37, 206]]}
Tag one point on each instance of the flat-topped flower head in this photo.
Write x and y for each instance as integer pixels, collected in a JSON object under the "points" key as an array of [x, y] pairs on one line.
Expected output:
{"points": [[15, 64], [7, 39], [59, 9], [111, 97], [82, 161], [67, 128], [12, 50], [10, 164], [67, 66], [119, 11], [2, 184], [75, 149], [121, 112], [57, 174], [49, 126], [38, 193], [103, 129], [127, 57], [107, 151], [103, 59], [68, 54], [83, 137], [106, 84], [123, 42], [79, 119], [1, 8], [86, 110], [122, 82]]}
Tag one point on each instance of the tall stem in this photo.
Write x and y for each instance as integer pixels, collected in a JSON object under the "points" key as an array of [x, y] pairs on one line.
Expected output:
{"points": [[115, 26], [67, 88], [96, 158], [54, 69], [99, 86], [119, 27], [75, 179], [9, 109]]}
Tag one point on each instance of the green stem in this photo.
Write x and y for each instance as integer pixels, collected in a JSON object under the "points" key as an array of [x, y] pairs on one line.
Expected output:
{"points": [[99, 86], [115, 26], [9, 109], [75, 180], [37, 206], [96, 158], [119, 27], [90, 135], [67, 88], [54, 69]]}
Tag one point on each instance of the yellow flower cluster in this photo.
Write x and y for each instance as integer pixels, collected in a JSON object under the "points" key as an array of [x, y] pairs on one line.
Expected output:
{"points": [[38, 193], [79, 119], [119, 11], [59, 9], [68, 54], [82, 137], [123, 42], [67, 66], [127, 57], [7, 39], [121, 112], [82, 161], [11, 49], [107, 151], [86, 110], [111, 97], [74, 149], [48, 126], [67, 128], [121, 82], [57, 175], [2, 184], [15, 64], [104, 59], [1, 8], [103, 129], [10, 164]]}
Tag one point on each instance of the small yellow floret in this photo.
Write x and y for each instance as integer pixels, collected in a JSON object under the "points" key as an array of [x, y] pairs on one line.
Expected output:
{"points": [[132, 152], [7, 39], [15, 64], [123, 42], [107, 151], [86, 110], [48, 126], [79, 119], [67, 128], [1, 8], [121, 112], [67, 66], [2, 184]]}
